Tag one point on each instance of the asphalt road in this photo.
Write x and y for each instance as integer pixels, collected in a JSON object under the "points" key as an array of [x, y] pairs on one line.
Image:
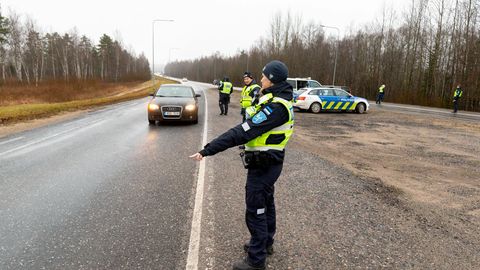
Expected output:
{"points": [[102, 191], [107, 191]]}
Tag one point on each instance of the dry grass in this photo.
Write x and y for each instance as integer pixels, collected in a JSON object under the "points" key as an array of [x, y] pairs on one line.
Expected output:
{"points": [[26, 108], [59, 91]]}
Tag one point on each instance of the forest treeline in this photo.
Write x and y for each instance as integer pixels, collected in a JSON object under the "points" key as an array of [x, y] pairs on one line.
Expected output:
{"points": [[30, 56], [420, 53]]}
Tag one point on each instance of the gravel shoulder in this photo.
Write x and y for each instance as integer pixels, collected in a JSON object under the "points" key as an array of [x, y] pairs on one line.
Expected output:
{"points": [[381, 190]]}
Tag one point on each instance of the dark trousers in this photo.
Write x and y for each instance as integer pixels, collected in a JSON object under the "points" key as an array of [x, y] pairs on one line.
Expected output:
{"points": [[223, 103], [455, 105], [260, 213], [380, 98]]}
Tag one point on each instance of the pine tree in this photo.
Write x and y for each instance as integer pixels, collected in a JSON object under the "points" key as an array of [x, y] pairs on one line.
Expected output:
{"points": [[3, 28]]}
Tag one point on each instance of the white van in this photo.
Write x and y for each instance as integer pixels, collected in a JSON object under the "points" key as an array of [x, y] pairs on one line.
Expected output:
{"points": [[299, 83]]}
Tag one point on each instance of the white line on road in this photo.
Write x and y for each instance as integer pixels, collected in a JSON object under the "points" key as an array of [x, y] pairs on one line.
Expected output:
{"points": [[193, 247], [11, 140]]}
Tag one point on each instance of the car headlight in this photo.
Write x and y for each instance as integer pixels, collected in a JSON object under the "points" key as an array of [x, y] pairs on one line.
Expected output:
{"points": [[190, 107], [153, 107]]}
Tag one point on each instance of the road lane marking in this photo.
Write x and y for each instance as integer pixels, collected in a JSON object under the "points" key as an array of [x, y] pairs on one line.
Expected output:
{"points": [[49, 137], [194, 245], [11, 140]]}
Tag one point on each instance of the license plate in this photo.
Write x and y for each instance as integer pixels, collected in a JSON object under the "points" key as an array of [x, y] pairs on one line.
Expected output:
{"points": [[172, 113]]}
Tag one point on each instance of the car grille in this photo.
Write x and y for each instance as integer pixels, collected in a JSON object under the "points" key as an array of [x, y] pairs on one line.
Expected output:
{"points": [[172, 112]]}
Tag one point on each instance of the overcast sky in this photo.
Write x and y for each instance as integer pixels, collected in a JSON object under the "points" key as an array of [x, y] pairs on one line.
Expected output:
{"points": [[200, 27]]}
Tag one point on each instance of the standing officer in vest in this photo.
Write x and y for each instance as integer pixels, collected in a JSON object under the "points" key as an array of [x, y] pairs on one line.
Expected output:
{"points": [[249, 92], [456, 96], [225, 88], [265, 136], [381, 93]]}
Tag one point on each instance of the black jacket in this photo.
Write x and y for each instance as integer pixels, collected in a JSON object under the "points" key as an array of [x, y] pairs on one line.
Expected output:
{"points": [[249, 130]]}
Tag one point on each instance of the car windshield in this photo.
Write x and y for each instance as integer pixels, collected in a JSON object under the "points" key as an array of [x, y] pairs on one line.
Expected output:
{"points": [[313, 84], [174, 91]]}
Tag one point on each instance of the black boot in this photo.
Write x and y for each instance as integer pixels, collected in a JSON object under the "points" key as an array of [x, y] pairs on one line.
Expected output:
{"points": [[244, 265], [269, 248]]}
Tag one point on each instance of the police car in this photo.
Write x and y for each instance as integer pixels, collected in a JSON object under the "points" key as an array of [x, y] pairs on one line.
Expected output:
{"points": [[328, 99]]}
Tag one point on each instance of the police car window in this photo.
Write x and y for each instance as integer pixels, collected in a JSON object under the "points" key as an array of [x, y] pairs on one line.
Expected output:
{"points": [[313, 92], [301, 84], [341, 93], [313, 84], [326, 92]]}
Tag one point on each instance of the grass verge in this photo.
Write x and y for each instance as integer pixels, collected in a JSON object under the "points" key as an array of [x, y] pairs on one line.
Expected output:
{"points": [[17, 113]]}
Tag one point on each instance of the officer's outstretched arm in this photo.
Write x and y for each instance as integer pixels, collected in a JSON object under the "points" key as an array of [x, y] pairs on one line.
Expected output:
{"points": [[270, 117]]}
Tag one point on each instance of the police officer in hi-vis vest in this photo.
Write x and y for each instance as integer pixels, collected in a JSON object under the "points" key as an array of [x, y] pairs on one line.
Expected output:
{"points": [[265, 135], [381, 94], [226, 89], [249, 92], [457, 94]]}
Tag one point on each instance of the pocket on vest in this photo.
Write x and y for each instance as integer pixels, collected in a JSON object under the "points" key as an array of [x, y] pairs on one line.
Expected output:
{"points": [[275, 139]]}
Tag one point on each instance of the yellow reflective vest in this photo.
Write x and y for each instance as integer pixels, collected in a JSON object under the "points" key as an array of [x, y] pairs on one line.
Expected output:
{"points": [[381, 89], [260, 143], [246, 100], [458, 93], [227, 88]]}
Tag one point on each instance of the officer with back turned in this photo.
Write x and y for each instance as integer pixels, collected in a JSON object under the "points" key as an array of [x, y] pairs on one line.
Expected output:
{"points": [[265, 136], [226, 89]]}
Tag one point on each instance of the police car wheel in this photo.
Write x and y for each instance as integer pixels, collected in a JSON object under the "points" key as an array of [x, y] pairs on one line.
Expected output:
{"points": [[315, 107], [360, 108]]}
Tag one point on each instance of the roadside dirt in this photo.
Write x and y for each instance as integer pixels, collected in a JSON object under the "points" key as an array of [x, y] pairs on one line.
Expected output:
{"points": [[383, 190], [433, 162]]}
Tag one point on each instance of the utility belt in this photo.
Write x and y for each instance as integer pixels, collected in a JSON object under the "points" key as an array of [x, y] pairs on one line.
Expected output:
{"points": [[257, 159]]}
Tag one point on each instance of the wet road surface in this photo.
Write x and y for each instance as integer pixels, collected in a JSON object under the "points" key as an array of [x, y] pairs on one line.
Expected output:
{"points": [[102, 191]]}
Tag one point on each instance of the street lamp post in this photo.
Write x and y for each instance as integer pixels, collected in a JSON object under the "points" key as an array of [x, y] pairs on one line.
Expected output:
{"points": [[170, 52], [336, 49], [153, 47]]}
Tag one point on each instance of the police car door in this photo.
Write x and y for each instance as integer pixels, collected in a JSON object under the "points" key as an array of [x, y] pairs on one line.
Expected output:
{"points": [[345, 101], [328, 98]]}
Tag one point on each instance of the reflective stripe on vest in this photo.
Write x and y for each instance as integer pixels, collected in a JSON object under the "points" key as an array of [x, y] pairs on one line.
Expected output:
{"points": [[381, 89], [260, 143], [227, 88], [246, 100], [252, 110]]}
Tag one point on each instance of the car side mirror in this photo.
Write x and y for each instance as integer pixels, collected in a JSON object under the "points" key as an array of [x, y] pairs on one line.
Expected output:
{"points": [[198, 95]]}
